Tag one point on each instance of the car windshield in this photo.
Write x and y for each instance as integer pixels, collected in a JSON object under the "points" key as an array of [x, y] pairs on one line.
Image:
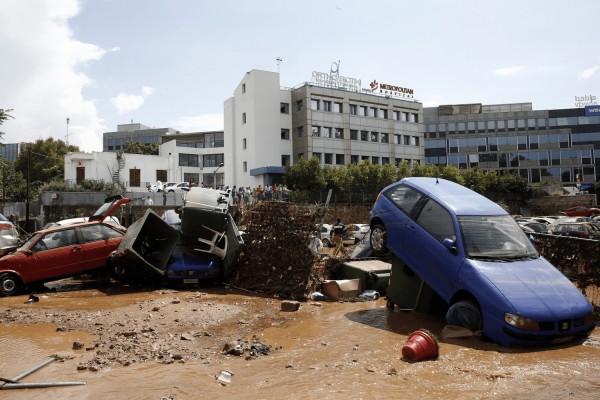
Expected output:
{"points": [[496, 237], [29, 242]]}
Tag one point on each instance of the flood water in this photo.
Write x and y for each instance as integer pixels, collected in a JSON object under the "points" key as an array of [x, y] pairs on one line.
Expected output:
{"points": [[324, 351]]}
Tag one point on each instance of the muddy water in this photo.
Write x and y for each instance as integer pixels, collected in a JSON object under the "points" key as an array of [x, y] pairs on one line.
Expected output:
{"points": [[324, 351]]}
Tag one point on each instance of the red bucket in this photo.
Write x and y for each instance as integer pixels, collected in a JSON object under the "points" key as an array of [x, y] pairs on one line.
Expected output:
{"points": [[421, 345]]}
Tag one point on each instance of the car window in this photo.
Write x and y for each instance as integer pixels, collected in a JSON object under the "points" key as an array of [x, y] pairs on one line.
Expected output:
{"points": [[54, 240], [405, 197], [94, 233], [436, 220]]}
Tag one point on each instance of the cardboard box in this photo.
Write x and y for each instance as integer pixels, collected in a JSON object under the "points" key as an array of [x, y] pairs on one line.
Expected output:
{"points": [[341, 289]]}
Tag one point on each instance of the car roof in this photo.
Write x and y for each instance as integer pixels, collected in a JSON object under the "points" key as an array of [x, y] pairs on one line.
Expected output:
{"points": [[462, 200]]}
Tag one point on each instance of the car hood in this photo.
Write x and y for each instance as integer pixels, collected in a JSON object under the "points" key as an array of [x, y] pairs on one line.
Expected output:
{"points": [[535, 288], [109, 206]]}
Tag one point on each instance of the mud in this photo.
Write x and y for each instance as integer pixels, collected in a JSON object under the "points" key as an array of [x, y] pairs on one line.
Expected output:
{"points": [[167, 344]]}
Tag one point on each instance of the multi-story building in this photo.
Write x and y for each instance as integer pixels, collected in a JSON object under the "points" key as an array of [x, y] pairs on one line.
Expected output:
{"points": [[9, 151], [543, 146], [114, 141], [332, 118]]}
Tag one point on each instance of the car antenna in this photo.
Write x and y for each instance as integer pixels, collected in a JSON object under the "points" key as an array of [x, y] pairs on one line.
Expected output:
{"points": [[436, 180]]}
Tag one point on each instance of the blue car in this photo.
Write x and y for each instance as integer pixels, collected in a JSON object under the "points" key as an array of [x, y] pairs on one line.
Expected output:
{"points": [[475, 256]]}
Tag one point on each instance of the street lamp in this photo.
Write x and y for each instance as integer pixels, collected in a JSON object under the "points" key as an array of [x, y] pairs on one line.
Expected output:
{"points": [[215, 175]]}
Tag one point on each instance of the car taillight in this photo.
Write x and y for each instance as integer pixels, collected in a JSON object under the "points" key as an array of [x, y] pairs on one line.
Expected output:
{"points": [[5, 227], [584, 236]]}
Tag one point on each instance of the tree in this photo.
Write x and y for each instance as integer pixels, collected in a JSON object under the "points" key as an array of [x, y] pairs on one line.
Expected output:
{"points": [[4, 115], [141, 148], [305, 175], [45, 159]]}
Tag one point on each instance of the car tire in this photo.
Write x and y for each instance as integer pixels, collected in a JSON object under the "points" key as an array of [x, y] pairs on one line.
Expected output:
{"points": [[10, 284], [326, 242], [378, 239], [171, 191], [466, 314]]}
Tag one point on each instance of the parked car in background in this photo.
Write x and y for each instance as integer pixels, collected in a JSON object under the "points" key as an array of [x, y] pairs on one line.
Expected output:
{"points": [[534, 227], [327, 236], [63, 251], [474, 255], [563, 220], [582, 230], [157, 187], [9, 237], [581, 211], [359, 231], [178, 187]]}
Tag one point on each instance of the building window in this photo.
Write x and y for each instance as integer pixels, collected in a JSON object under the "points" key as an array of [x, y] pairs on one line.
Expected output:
{"points": [[243, 118], [374, 160], [188, 160], [364, 136], [414, 118], [300, 132], [338, 107], [398, 139], [471, 126], [284, 108], [415, 140], [299, 105], [243, 88], [374, 136], [327, 132], [385, 160], [396, 115], [362, 111], [353, 134], [244, 144], [245, 166], [339, 133], [328, 158], [491, 125], [406, 140], [354, 159], [384, 138], [212, 160], [285, 160], [161, 175], [364, 158], [511, 124], [404, 116], [372, 112], [318, 156], [316, 131], [353, 109], [326, 105], [285, 134], [383, 113], [314, 104], [339, 159]]}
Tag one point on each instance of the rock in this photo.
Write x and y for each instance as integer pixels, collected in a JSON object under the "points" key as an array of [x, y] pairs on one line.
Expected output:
{"points": [[289, 305], [233, 348], [187, 336], [78, 345]]}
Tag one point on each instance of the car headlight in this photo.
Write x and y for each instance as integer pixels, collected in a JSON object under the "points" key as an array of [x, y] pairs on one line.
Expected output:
{"points": [[521, 322]]}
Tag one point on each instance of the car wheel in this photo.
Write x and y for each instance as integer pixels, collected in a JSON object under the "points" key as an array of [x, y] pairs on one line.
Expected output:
{"points": [[466, 314], [9, 284], [378, 239], [326, 242], [171, 191]]}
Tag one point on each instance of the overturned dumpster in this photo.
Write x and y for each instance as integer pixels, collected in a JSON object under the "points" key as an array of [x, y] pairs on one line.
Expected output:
{"points": [[204, 244]]}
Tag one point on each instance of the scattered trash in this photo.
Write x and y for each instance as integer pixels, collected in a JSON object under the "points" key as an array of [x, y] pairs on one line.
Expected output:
{"points": [[224, 377], [454, 332], [369, 295], [32, 299], [421, 345], [318, 296], [15, 384], [254, 349]]}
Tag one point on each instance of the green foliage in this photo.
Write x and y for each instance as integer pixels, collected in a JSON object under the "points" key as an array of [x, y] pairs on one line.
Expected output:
{"points": [[85, 186], [46, 158], [4, 115], [141, 148], [364, 177], [12, 182]]}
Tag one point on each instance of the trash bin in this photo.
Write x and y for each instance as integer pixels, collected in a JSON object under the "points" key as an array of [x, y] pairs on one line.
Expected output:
{"points": [[409, 292]]}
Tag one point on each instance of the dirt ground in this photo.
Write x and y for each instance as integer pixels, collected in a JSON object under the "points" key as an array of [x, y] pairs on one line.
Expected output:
{"points": [[126, 343]]}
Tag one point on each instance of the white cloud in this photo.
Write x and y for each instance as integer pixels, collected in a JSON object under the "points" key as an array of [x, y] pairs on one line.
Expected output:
{"points": [[588, 73], [509, 71], [125, 103], [199, 123], [40, 74]]}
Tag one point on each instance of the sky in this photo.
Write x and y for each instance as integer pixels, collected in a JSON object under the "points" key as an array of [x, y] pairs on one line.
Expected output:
{"points": [[173, 63]]}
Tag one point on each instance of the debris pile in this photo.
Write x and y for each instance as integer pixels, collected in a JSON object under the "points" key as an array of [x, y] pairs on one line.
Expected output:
{"points": [[277, 259]]}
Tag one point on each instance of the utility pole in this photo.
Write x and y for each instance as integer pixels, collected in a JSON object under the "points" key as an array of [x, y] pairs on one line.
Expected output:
{"points": [[28, 182], [67, 132]]}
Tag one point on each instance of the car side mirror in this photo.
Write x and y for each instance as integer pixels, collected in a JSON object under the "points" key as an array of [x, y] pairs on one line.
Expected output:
{"points": [[450, 245]]}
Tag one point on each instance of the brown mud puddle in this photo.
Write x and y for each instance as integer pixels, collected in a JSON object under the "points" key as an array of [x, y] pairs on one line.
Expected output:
{"points": [[325, 351]]}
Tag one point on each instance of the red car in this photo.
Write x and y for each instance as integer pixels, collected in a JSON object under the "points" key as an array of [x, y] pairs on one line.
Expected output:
{"points": [[580, 211], [63, 251]]}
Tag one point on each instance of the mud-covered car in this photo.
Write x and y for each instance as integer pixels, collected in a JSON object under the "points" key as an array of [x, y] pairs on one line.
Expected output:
{"points": [[475, 256], [63, 251]]}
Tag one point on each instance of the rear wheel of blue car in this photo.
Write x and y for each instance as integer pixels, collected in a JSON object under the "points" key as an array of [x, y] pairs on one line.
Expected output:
{"points": [[9, 284], [378, 239]]}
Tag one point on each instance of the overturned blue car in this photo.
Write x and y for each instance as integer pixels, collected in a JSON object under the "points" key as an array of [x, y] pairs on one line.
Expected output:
{"points": [[475, 256]]}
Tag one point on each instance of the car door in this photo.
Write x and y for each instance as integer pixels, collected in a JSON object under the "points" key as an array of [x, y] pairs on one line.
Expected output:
{"points": [[404, 201], [98, 241], [424, 251], [57, 254]]}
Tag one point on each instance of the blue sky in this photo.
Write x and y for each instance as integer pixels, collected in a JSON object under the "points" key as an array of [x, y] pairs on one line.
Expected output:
{"points": [[172, 63]]}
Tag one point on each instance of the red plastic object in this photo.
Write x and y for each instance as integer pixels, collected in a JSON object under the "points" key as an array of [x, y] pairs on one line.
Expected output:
{"points": [[420, 346]]}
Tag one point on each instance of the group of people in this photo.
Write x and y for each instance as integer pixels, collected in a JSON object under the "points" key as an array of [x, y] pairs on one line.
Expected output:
{"points": [[247, 195]]}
